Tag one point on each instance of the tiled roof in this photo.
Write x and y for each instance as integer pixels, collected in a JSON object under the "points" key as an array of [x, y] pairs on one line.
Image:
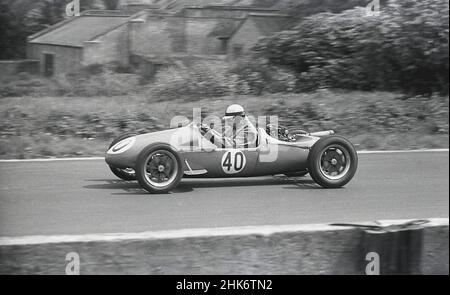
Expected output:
{"points": [[79, 29]]}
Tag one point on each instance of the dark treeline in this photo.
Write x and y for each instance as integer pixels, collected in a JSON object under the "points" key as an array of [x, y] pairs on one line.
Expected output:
{"points": [[22, 18]]}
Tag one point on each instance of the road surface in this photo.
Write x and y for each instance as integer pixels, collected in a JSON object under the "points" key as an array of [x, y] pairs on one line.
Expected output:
{"points": [[77, 197]]}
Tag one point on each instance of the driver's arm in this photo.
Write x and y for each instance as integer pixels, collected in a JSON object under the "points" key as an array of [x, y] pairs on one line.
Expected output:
{"points": [[216, 138]]}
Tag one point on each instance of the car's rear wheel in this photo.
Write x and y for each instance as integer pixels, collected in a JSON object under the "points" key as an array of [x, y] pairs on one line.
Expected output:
{"points": [[332, 161], [159, 168], [127, 174]]}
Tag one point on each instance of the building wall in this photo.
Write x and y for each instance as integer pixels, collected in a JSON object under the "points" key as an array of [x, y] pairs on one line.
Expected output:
{"points": [[156, 36], [110, 47], [66, 59], [198, 41], [243, 39], [168, 35]]}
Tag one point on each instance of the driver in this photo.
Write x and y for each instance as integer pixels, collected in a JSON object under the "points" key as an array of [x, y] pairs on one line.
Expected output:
{"points": [[237, 132], [238, 128]]}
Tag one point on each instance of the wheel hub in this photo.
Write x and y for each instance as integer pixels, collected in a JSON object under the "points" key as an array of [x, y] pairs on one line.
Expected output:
{"points": [[334, 162], [161, 168]]}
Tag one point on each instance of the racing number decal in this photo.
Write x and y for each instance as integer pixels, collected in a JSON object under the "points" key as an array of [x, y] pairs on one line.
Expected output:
{"points": [[233, 161]]}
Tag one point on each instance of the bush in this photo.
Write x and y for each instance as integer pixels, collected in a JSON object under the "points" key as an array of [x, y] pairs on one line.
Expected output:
{"points": [[198, 80], [380, 113], [404, 48], [255, 76], [22, 84], [215, 79], [95, 80]]}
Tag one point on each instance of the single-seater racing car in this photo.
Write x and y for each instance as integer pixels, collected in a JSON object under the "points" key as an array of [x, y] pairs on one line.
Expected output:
{"points": [[159, 160]]}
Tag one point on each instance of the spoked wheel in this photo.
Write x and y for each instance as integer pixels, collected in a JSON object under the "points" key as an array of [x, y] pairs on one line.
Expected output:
{"points": [[335, 162], [332, 161], [159, 168]]}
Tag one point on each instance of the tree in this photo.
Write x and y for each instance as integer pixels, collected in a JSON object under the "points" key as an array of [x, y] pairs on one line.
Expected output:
{"points": [[22, 18], [404, 48], [12, 33]]}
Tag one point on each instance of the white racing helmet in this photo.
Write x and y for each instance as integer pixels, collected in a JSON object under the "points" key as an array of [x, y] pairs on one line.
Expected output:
{"points": [[234, 110]]}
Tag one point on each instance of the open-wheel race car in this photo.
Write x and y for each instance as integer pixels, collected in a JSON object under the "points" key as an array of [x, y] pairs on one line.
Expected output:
{"points": [[159, 160]]}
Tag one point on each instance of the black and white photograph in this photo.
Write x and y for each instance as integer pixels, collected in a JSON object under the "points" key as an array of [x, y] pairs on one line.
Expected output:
{"points": [[224, 144]]}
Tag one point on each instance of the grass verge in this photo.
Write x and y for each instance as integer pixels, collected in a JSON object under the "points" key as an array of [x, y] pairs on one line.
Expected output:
{"points": [[33, 127]]}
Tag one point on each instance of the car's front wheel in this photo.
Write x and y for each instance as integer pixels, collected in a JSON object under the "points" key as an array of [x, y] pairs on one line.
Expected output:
{"points": [[159, 168], [332, 161]]}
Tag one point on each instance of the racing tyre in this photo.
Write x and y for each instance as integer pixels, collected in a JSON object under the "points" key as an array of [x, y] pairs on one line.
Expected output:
{"points": [[159, 168], [332, 161], [127, 174]]}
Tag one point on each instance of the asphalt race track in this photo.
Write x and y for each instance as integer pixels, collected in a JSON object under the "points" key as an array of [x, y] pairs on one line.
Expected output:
{"points": [[76, 197]]}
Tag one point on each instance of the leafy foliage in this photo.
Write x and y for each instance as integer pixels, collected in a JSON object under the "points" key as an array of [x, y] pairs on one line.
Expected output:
{"points": [[93, 80], [302, 8], [404, 48]]}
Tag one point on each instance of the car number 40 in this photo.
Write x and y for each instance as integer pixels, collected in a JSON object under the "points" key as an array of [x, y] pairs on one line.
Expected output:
{"points": [[233, 161]]}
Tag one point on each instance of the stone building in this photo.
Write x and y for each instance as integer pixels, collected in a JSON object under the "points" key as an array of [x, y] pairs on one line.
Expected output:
{"points": [[152, 33], [93, 37]]}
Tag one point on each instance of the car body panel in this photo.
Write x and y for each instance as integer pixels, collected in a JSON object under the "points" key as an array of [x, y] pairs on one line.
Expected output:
{"points": [[198, 154]]}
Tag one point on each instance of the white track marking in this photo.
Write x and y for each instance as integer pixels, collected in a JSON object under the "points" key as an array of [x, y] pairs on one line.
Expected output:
{"points": [[199, 232], [52, 159], [102, 158], [404, 151]]}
